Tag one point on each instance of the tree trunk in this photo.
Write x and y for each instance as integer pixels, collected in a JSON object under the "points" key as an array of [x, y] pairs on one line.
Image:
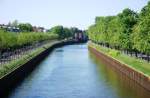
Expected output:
{"points": [[136, 54], [148, 57]]}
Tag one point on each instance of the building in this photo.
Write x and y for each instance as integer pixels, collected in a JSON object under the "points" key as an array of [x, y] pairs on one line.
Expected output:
{"points": [[38, 29], [9, 28], [3, 26], [34, 29], [13, 29], [80, 36]]}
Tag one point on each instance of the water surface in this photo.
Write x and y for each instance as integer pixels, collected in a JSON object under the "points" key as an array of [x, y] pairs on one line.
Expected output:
{"points": [[73, 72]]}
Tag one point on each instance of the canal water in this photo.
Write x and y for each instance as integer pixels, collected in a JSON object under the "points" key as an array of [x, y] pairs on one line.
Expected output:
{"points": [[74, 72]]}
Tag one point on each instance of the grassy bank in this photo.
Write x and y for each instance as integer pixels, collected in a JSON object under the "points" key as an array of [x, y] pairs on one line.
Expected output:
{"points": [[137, 64], [13, 65]]}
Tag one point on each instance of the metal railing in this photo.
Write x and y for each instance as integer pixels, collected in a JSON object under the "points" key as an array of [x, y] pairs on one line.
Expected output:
{"points": [[10, 55]]}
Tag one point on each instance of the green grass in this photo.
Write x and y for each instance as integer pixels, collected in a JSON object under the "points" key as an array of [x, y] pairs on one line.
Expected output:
{"points": [[135, 63], [13, 65]]}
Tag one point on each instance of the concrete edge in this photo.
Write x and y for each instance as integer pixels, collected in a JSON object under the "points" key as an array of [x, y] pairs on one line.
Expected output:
{"points": [[137, 76]]}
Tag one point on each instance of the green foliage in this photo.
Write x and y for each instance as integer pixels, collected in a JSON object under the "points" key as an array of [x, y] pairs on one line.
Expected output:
{"points": [[67, 33], [132, 62], [14, 40], [114, 53], [127, 19], [7, 40], [127, 31], [141, 35], [61, 32], [74, 30], [25, 27], [14, 64], [58, 30]]}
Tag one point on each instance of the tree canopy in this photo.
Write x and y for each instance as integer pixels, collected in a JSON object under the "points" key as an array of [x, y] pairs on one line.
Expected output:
{"points": [[25, 27], [127, 30], [64, 32]]}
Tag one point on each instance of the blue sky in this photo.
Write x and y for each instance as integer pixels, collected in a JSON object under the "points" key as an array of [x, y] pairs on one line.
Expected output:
{"points": [[48, 13]]}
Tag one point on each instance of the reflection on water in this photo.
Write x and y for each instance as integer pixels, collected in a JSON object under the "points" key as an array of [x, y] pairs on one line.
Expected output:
{"points": [[73, 72], [123, 86], [59, 50]]}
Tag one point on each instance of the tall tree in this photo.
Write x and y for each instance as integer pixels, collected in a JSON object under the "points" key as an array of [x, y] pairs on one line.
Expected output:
{"points": [[58, 30], [25, 27], [127, 19], [141, 35], [14, 23]]}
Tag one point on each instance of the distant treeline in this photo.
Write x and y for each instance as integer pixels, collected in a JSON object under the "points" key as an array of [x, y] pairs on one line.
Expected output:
{"points": [[14, 40], [126, 31], [64, 32]]}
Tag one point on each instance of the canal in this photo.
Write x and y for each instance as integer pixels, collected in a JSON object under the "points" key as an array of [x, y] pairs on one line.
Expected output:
{"points": [[74, 72]]}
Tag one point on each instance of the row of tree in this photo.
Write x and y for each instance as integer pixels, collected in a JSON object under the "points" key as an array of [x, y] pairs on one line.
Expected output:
{"points": [[9, 40], [64, 32], [126, 31]]}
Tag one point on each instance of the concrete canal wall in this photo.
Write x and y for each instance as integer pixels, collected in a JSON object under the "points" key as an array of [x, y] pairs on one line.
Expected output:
{"points": [[133, 74], [11, 80]]}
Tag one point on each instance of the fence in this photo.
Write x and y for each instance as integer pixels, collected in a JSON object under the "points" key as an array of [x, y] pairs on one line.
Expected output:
{"points": [[10, 55]]}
